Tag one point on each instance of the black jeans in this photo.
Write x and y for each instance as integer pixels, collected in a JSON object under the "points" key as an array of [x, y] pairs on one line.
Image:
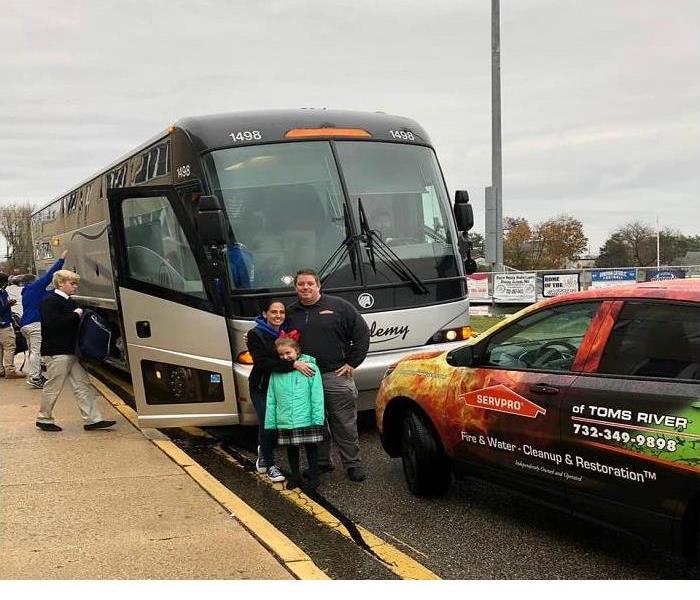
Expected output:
{"points": [[267, 438]]}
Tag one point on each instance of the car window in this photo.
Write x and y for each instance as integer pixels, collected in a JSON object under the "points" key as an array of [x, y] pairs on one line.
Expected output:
{"points": [[654, 340], [547, 339]]}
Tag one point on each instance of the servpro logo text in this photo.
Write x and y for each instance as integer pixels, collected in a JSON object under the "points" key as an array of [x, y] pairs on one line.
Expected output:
{"points": [[502, 399]]}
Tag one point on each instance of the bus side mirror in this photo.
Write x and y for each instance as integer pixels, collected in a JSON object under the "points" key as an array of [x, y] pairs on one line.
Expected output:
{"points": [[464, 215], [211, 222]]}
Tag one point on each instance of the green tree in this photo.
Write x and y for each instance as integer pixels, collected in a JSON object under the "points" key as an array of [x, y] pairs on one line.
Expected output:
{"points": [[634, 245], [477, 241]]}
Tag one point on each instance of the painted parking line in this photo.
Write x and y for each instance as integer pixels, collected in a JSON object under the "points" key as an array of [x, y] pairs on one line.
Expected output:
{"points": [[394, 559], [294, 559]]}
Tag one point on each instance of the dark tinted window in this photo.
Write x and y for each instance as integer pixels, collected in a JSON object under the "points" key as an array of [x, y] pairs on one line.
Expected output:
{"points": [[654, 340]]}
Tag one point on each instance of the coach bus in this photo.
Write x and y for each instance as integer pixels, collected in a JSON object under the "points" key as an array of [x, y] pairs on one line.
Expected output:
{"points": [[180, 241]]}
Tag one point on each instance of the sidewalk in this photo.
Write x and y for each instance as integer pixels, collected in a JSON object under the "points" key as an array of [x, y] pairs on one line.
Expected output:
{"points": [[108, 504]]}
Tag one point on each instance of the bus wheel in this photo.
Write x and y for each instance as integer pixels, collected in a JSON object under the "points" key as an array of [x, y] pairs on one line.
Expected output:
{"points": [[425, 467]]}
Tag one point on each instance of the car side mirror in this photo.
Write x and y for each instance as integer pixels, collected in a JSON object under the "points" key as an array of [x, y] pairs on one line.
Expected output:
{"points": [[461, 357], [464, 215], [211, 222]]}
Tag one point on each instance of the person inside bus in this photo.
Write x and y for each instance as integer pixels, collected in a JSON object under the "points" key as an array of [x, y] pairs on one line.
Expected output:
{"points": [[382, 223], [266, 248], [261, 345], [241, 264]]}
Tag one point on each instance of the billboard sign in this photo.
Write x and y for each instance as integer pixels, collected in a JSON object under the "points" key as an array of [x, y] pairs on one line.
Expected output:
{"points": [[609, 277], [663, 274], [556, 284], [478, 286], [518, 288]]}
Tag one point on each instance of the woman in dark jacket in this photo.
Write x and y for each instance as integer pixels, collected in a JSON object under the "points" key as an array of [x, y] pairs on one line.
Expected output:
{"points": [[261, 345]]}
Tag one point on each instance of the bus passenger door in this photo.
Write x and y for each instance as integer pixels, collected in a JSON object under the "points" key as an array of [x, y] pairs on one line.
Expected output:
{"points": [[177, 339]]}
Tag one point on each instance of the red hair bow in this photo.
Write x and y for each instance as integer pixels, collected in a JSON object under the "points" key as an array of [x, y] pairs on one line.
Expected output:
{"points": [[294, 334]]}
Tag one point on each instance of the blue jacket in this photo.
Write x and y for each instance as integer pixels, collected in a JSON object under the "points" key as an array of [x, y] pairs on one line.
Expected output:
{"points": [[294, 400], [5, 310], [35, 292]]}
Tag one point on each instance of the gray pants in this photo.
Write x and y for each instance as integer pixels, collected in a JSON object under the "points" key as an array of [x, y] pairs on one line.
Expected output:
{"points": [[58, 369], [32, 333], [340, 398]]}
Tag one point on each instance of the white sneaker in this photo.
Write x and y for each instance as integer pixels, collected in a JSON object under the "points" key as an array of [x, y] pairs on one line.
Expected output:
{"points": [[260, 465], [274, 474]]}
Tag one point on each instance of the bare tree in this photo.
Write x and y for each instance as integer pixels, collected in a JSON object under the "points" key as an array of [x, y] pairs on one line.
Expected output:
{"points": [[15, 228]]}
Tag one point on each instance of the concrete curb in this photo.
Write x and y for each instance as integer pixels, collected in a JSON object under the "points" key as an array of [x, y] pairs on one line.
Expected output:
{"points": [[293, 558]]}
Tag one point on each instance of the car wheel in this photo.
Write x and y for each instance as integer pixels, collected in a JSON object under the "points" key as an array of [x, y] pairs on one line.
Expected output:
{"points": [[424, 464]]}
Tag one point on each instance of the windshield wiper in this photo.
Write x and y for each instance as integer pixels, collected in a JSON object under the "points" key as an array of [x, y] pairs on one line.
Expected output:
{"points": [[346, 248], [376, 245]]}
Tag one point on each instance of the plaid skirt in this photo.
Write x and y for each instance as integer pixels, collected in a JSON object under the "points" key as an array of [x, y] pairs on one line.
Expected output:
{"points": [[301, 435]]}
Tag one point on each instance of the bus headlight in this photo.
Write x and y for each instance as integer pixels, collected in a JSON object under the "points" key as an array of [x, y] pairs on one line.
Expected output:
{"points": [[454, 334]]}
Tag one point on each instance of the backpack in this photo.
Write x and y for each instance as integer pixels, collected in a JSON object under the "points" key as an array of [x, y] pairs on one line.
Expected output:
{"points": [[20, 340], [94, 336]]}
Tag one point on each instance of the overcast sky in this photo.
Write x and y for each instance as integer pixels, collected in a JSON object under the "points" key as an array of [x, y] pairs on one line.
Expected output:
{"points": [[601, 98]]}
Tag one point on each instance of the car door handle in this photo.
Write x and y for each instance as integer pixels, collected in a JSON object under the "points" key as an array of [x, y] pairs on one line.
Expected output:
{"points": [[543, 388], [696, 404]]}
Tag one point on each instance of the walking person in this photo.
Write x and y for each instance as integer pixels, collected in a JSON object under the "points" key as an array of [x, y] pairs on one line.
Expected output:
{"points": [[32, 295], [295, 410], [261, 345], [335, 333], [7, 332], [60, 317]]}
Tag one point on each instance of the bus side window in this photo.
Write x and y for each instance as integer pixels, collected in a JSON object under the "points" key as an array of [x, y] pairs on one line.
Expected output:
{"points": [[157, 248]]}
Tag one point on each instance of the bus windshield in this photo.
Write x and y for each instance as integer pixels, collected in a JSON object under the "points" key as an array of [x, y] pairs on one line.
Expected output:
{"points": [[285, 206]]}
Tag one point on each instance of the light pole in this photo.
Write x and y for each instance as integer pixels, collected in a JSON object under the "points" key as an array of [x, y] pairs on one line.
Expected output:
{"points": [[496, 162]]}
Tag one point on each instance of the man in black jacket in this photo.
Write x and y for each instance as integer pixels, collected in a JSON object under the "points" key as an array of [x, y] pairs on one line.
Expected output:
{"points": [[60, 317], [336, 335]]}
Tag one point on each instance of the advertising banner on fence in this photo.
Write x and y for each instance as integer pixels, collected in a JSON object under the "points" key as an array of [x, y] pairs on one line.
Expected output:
{"points": [[608, 277], [514, 287], [663, 274], [556, 284], [478, 285]]}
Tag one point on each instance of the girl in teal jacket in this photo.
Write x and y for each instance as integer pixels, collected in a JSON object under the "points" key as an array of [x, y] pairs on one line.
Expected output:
{"points": [[295, 409]]}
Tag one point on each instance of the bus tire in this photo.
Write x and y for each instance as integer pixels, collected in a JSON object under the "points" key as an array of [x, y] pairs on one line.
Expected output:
{"points": [[425, 466]]}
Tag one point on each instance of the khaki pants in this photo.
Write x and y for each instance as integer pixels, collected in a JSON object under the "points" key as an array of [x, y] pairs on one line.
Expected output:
{"points": [[58, 369], [7, 349], [32, 333]]}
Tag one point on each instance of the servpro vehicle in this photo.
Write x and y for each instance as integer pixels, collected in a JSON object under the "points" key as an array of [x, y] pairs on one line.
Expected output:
{"points": [[590, 401]]}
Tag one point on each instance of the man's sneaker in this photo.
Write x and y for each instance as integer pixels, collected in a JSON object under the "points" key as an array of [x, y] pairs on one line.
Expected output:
{"points": [[260, 465], [274, 474], [357, 473], [43, 379], [99, 425], [48, 426], [35, 383]]}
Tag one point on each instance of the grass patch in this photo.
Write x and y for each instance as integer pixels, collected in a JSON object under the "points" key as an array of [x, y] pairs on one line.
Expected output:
{"points": [[480, 323]]}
